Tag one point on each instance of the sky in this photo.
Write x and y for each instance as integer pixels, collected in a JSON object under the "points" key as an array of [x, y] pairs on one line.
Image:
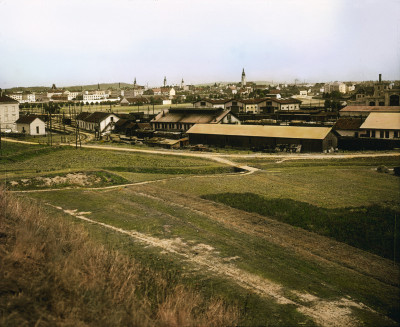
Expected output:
{"points": [[74, 42]]}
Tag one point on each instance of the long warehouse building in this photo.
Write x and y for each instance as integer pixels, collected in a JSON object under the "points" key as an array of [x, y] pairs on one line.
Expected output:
{"points": [[311, 139]]}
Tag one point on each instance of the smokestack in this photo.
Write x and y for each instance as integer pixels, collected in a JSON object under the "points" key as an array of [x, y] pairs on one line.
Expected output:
{"points": [[380, 78]]}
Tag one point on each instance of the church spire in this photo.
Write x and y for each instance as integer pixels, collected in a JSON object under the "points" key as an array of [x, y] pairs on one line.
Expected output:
{"points": [[165, 81], [243, 81]]}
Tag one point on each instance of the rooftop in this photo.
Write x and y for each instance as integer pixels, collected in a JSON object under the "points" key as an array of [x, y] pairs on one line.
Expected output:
{"points": [[381, 120], [371, 108], [191, 116], [26, 119], [348, 124], [6, 99], [295, 132]]}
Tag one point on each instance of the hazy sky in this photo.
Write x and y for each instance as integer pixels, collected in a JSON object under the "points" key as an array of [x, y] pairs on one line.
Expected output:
{"points": [[71, 42]]}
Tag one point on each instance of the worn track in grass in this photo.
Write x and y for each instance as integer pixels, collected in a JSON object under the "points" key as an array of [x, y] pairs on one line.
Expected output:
{"points": [[327, 313], [303, 242]]}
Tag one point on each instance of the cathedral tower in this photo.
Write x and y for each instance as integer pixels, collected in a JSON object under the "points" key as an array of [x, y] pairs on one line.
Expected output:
{"points": [[243, 78]]}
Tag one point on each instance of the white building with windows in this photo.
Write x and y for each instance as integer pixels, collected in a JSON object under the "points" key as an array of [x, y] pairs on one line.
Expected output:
{"points": [[381, 126], [31, 125], [23, 97], [101, 122], [16, 96], [71, 95], [9, 113]]}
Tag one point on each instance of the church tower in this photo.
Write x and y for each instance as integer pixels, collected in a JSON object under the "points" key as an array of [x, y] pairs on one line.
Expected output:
{"points": [[165, 81], [182, 84], [134, 82], [243, 78]]}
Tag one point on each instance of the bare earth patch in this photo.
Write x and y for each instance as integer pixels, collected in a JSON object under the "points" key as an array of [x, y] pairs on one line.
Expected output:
{"points": [[75, 179]]}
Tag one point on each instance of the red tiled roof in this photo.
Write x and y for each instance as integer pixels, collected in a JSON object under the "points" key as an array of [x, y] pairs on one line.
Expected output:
{"points": [[348, 124]]}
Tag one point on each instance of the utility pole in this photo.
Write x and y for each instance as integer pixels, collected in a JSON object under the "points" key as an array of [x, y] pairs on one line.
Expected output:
{"points": [[0, 142], [77, 135], [394, 240]]}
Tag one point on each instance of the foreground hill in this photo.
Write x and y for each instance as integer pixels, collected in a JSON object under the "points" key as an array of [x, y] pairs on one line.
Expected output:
{"points": [[52, 274]]}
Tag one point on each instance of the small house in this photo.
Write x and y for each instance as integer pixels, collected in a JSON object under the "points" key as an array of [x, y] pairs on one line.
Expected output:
{"points": [[101, 122], [31, 125]]}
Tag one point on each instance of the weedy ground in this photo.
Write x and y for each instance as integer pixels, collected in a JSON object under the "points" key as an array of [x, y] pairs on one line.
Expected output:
{"points": [[269, 245]]}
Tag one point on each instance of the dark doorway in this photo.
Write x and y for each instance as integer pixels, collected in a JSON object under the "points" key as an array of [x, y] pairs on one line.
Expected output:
{"points": [[394, 100]]}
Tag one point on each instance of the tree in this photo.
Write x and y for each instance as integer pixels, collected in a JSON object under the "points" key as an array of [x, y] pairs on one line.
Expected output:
{"points": [[328, 104]]}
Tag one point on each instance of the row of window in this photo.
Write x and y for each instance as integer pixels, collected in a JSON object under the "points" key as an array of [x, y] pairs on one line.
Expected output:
{"points": [[7, 117], [13, 108], [172, 126], [380, 134]]}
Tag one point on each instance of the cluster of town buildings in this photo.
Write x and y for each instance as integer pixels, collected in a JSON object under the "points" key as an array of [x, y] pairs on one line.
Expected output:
{"points": [[371, 118]]}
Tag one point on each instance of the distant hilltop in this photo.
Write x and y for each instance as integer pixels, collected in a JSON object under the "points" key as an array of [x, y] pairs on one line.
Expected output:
{"points": [[73, 87]]}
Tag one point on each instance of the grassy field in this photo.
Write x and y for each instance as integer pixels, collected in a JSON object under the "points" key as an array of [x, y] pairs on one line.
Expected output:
{"points": [[20, 161], [323, 186], [204, 245], [370, 228], [131, 209]]}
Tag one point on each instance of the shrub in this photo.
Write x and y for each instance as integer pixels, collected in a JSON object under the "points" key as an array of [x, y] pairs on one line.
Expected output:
{"points": [[382, 169]]}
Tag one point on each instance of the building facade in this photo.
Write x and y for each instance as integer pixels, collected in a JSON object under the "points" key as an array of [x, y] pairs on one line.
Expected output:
{"points": [[9, 114], [308, 139]]}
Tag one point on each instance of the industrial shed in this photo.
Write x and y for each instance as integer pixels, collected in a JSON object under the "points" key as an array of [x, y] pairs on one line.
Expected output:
{"points": [[311, 139]]}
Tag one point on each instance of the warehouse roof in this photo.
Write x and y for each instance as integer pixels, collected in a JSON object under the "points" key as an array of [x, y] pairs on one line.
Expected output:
{"points": [[295, 132], [371, 109], [191, 116], [382, 120]]}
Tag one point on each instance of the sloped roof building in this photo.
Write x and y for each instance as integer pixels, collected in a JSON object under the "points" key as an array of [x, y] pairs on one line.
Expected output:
{"points": [[311, 139]]}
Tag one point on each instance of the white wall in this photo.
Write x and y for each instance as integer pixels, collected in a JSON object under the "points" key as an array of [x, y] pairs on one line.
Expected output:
{"points": [[9, 114], [37, 127]]}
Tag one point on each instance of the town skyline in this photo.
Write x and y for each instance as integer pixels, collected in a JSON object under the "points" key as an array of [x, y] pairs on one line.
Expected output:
{"points": [[178, 83], [75, 43]]}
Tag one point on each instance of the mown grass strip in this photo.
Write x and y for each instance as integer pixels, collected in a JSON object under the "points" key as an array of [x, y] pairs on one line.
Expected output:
{"points": [[371, 228], [174, 170]]}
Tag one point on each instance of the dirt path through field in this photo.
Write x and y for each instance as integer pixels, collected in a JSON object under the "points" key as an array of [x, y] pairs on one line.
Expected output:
{"points": [[326, 313], [301, 241]]}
